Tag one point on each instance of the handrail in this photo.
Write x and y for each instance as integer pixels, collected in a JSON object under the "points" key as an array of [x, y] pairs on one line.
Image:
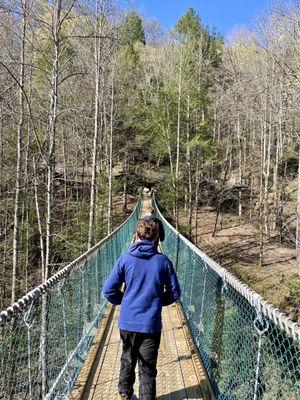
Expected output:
{"points": [[277, 316], [23, 304]]}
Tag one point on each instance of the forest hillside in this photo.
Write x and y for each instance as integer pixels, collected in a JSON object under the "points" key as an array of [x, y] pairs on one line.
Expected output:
{"points": [[97, 102]]}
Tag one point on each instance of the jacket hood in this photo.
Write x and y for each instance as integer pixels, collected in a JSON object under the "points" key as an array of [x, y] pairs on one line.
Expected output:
{"points": [[143, 249]]}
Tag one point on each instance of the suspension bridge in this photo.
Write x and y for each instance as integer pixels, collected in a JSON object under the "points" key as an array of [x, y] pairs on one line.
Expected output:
{"points": [[222, 341]]}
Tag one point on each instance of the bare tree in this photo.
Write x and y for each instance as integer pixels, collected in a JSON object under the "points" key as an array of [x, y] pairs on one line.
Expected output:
{"points": [[100, 18], [179, 100], [298, 218], [56, 31], [19, 153], [110, 151]]}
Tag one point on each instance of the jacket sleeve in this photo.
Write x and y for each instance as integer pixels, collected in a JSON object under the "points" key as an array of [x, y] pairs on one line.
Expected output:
{"points": [[112, 285], [172, 289]]}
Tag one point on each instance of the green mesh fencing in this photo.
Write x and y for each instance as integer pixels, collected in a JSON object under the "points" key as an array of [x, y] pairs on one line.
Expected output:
{"points": [[45, 336], [249, 349]]}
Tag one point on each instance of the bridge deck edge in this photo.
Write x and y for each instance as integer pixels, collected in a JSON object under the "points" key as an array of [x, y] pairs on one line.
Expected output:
{"points": [[94, 354], [196, 358]]}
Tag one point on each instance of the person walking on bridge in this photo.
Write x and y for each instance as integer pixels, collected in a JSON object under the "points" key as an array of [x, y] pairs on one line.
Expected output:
{"points": [[150, 283]]}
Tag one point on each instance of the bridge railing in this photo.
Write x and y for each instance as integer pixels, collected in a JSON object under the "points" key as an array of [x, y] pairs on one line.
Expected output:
{"points": [[45, 336], [250, 349]]}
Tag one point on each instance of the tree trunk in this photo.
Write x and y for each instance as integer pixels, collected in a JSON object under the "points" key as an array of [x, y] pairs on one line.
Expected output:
{"points": [[125, 185], [178, 140], [166, 133], [50, 174], [52, 132], [19, 157], [238, 131], [266, 178], [189, 169], [277, 182], [298, 219], [64, 148], [197, 179], [28, 206], [173, 177], [110, 155], [262, 197], [226, 170], [38, 217], [96, 133], [1, 150]]}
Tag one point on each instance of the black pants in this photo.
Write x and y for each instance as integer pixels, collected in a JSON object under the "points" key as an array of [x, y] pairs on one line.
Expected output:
{"points": [[141, 347]]}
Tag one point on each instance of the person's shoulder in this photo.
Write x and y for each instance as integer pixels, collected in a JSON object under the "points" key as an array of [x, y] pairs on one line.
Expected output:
{"points": [[122, 259], [163, 258], [126, 257]]}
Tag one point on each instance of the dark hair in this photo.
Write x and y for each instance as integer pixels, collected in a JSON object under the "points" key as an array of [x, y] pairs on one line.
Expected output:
{"points": [[146, 230], [152, 211]]}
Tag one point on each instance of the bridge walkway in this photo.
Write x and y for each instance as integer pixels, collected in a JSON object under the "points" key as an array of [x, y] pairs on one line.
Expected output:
{"points": [[180, 373]]}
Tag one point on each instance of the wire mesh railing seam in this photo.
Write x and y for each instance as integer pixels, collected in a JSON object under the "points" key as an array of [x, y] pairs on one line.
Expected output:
{"points": [[46, 335], [250, 349]]}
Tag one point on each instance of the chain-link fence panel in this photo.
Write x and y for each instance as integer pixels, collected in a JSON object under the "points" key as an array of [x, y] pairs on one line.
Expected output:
{"points": [[250, 349], [45, 336]]}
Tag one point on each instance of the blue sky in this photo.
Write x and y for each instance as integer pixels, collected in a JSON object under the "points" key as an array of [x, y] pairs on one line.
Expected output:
{"points": [[225, 15]]}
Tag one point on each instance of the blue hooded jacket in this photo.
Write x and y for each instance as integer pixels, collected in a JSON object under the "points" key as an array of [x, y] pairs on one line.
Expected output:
{"points": [[150, 284]]}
